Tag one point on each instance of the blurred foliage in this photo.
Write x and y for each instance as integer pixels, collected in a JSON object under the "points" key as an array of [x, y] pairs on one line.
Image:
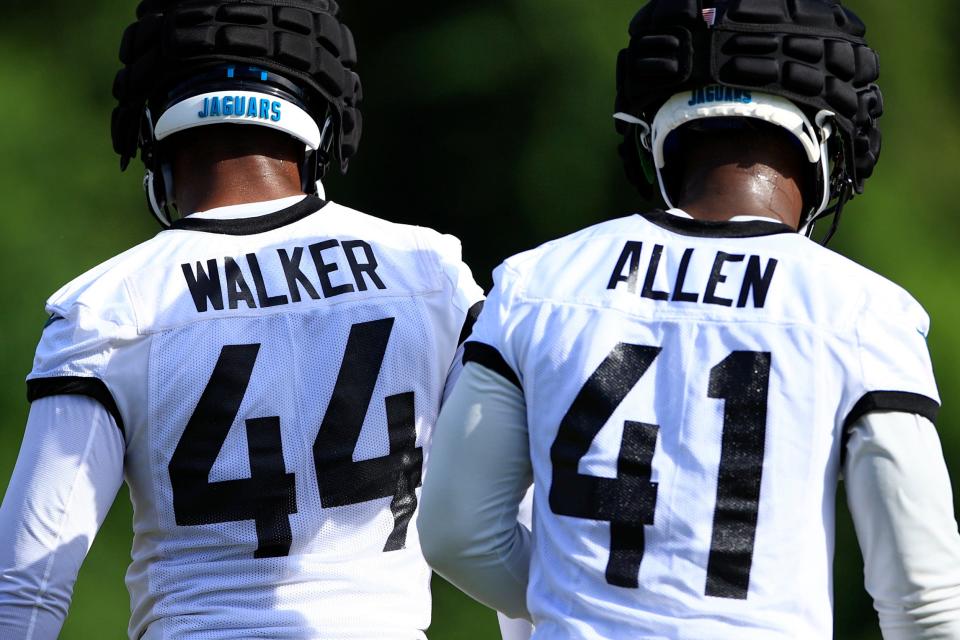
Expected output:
{"points": [[490, 120]]}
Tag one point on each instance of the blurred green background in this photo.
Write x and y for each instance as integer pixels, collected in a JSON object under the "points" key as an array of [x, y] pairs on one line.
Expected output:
{"points": [[490, 120]]}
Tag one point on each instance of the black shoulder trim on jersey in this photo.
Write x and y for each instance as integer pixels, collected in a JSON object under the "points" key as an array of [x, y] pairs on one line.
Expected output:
{"points": [[707, 229], [489, 357], [251, 226], [900, 401], [470, 320], [76, 386]]}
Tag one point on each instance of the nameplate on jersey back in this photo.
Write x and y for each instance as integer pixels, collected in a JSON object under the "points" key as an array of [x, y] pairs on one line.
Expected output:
{"points": [[325, 269], [732, 279]]}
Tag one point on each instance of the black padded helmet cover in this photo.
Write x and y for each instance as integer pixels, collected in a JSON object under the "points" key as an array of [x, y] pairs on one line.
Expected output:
{"points": [[301, 40], [812, 52]]}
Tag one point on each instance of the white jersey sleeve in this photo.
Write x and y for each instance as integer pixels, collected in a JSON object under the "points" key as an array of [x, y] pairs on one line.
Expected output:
{"points": [[467, 297], [466, 293], [80, 342], [491, 344], [67, 475], [892, 370]]}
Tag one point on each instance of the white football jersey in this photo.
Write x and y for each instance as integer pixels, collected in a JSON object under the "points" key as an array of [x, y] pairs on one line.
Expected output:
{"points": [[276, 379], [687, 386]]}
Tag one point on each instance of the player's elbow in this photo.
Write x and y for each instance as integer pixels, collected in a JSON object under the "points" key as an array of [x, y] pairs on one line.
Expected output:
{"points": [[439, 552], [442, 536], [930, 614], [448, 519], [22, 599]]}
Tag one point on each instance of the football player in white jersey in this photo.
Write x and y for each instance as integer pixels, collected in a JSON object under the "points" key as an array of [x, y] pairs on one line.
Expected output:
{"points": [[264, 374], [684, 388]]}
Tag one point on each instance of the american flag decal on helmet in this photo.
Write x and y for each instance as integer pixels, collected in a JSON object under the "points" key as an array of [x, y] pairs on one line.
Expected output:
{"points": [[710, 16]]}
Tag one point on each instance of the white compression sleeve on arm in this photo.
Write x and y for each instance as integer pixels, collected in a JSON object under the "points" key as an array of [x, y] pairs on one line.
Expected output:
{"points": [[478, 471], [519, 629], [67, 475], [899, 495]]}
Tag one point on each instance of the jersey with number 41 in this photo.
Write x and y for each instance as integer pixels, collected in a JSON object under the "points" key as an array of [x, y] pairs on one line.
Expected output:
{"points": [[687, 387], [277, 380]]}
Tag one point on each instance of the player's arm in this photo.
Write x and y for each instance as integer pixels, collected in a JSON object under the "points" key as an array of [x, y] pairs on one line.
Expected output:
{"points": [[519, 628], [67, 475], [897, 484], [899, 495], [478, 474]]}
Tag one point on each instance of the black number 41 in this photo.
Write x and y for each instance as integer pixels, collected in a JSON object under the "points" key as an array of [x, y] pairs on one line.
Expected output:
{"points": [[268, 497], [628, 501]]}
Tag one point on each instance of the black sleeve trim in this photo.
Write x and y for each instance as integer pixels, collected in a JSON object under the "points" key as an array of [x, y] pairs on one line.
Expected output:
{"points": [[489, 357], [470, 320], [900, 401], [893, 401], [75, 386]]}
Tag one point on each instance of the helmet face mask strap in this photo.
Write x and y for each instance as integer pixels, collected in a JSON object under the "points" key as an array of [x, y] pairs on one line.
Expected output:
{"points": [[843, 187], [154, 183], [157, 207], [316, 161]]}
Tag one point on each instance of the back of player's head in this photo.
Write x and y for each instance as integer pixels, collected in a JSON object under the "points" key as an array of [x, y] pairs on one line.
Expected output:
{"points": [[287, 65], [802, 65]]}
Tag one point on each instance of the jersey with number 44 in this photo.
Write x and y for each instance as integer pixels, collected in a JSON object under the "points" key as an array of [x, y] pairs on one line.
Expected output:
{"points": [[276, 380], [687, 387]]}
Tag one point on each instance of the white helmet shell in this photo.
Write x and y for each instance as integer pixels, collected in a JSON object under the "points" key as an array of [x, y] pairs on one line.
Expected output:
{"points": [[717, 101], [242, 108]]}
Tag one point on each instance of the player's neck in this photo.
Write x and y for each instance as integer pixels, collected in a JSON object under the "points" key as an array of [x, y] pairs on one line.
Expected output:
{"points": [[729, 190], [730, 174], [227, 181]]}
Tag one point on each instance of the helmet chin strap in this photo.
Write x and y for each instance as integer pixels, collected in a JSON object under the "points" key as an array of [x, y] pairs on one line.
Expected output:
{"points": [[663, 189], [643, 133], [842, 185], [158, 207], [166, 170], [315, 163], [844, 195], [156, 187]]}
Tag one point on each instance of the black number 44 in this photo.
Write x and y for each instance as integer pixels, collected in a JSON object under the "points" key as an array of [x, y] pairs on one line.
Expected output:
{"points": [[628, 501], [268, 497]]}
